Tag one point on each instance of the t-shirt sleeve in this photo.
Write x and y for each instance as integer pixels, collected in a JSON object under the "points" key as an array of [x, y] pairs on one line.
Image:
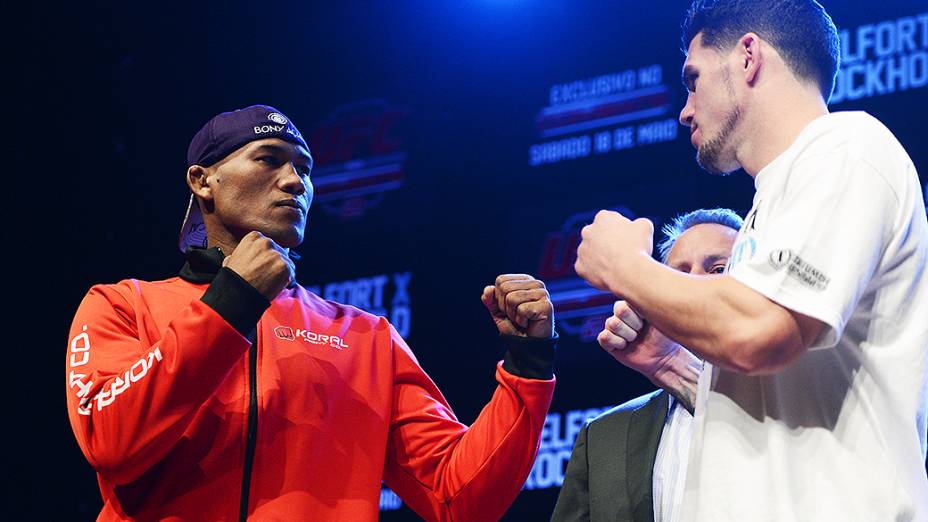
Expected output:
{"points": [[817, 247]]}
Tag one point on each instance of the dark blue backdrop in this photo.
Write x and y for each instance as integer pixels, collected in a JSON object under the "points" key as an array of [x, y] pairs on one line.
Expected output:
{"points": [[454, 141]]}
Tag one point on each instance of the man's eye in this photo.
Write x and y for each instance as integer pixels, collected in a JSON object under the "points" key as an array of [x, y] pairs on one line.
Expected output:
{"points": [[718, 269], [690, 84], [269, 160]]}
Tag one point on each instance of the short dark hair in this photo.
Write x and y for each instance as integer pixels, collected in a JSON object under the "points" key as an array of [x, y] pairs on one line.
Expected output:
{"points": [[683, 222], [800, 30]]}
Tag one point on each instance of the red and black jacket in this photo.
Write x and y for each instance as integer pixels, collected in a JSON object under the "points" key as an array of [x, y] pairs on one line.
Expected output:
{"points": [[194, 398]]}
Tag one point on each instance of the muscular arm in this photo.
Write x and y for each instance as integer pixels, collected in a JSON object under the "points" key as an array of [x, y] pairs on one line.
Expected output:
{"points": [[716, 317], [729, 323]]}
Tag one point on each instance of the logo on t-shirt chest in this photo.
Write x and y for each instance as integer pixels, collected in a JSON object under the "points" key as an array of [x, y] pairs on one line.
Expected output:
{"points": [[287, 333], [745, 245]]}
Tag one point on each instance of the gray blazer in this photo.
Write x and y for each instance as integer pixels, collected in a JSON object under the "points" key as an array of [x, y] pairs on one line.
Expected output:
{"points": [[609, 476]]}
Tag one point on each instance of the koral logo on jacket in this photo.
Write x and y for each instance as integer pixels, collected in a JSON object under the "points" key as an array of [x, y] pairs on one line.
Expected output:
{"points": [[289, 334]]}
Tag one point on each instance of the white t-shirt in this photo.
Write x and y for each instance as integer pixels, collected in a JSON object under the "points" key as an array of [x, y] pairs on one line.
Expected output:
{"points": [[837, 232]]}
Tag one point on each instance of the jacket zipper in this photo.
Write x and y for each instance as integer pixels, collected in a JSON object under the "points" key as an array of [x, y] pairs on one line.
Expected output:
{"points": [[252, 427]]}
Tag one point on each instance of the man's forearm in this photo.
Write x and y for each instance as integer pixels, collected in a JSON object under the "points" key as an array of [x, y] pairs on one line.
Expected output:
{"points": [[717, 318], [680, 377]]}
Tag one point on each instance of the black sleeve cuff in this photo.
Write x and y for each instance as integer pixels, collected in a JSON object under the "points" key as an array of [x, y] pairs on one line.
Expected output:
{"points": [[528, 357], [235, 300]]}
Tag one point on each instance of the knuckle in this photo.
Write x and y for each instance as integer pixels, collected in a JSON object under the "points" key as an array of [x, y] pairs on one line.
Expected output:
{"points": [[614, 343], [625, 315], [612, 324]]}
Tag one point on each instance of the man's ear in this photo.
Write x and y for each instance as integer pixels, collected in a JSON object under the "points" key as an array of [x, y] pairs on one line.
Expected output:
{"points": [[197, 181], [750, 51]]}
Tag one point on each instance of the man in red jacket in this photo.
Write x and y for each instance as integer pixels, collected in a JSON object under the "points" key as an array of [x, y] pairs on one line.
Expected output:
{"points": [[232, 392]]}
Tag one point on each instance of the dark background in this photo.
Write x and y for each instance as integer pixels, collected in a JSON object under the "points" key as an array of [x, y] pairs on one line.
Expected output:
{"points": [[107, 96]]}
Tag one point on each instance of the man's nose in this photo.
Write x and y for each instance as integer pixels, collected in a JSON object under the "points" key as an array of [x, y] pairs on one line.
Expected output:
{"points": [[686, 114], [291, 181]]}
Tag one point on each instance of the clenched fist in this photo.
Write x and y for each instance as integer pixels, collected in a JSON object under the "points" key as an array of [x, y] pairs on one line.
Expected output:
{"points": [[609, 238], [520, 305], [634, 343], [263, 263]]}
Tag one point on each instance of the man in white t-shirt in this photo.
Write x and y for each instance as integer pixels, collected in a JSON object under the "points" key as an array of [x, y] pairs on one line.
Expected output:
{"points": [[812, 404], [629, 463]]}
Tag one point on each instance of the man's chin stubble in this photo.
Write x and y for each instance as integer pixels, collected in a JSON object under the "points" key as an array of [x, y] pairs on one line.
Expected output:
{"points": [[707, 158], [709, 155]]}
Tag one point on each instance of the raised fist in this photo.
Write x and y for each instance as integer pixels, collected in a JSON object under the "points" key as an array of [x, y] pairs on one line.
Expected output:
{"points": [[263, 263], [634, 343], [610, 238], [520, 305]]}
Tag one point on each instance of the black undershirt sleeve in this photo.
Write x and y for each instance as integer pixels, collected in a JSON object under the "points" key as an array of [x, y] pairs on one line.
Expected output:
{"points": [[235, 300], [529, 357]]}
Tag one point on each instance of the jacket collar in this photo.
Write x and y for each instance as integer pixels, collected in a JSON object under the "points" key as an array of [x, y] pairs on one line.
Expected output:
{"points": [[202, 264]]}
